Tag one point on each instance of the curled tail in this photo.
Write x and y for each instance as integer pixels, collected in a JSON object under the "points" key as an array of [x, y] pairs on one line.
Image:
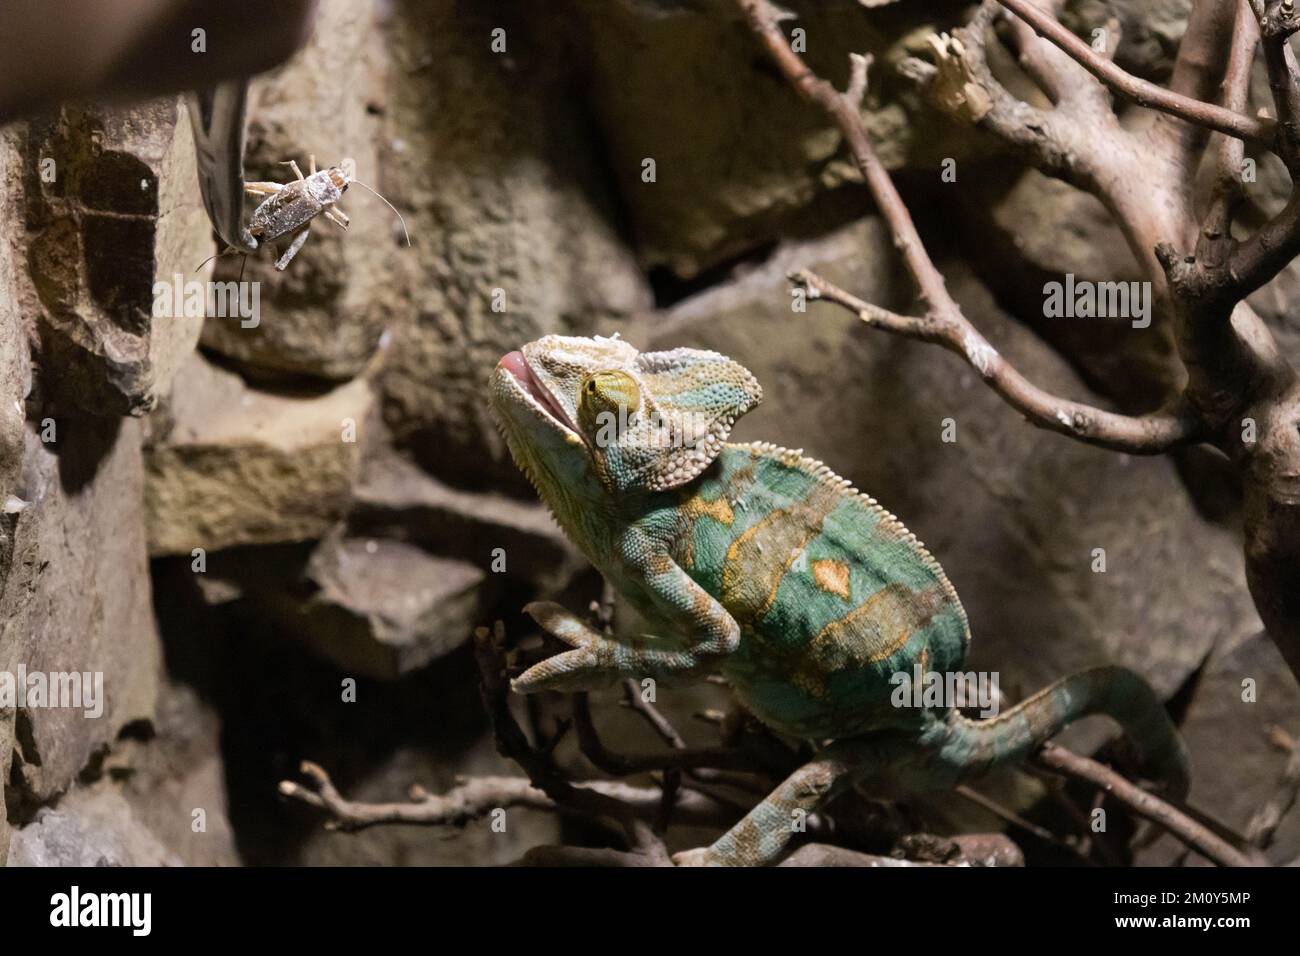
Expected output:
{"points": [[971, 746]]}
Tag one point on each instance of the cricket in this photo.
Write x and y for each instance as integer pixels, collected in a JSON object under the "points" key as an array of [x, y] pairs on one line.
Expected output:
{"points": [[290, 208]]}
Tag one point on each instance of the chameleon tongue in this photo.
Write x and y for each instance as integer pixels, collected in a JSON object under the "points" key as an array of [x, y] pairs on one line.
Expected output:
{"points": [[517, 365]]}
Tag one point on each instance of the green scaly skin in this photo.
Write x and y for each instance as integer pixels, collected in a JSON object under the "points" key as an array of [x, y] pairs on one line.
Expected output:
{"points": [[763, 565]]}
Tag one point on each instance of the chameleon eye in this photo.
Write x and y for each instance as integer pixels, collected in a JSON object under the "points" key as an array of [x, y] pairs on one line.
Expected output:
{"points": [[608, 396]]}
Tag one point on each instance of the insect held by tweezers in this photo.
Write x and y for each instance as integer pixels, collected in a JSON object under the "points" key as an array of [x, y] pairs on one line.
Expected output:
{"points": [[289, 208]]}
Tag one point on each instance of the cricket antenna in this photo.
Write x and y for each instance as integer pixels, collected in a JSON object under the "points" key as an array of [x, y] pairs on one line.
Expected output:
{"points": [[207, 260], [229, 250], [358, 182]]}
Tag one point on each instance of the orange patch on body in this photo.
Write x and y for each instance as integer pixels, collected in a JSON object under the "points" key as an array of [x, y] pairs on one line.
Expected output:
{"points": [[758, 560], [719, 509], [832, 576], [879, 627], [692, 508]]}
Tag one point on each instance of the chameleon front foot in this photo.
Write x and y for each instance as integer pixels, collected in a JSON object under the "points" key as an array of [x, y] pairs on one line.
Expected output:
{"points": [[597, 661], [592, 663]]}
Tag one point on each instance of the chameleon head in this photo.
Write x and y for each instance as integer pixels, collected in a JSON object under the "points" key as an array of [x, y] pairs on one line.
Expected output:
{"points": [[633, 421]]}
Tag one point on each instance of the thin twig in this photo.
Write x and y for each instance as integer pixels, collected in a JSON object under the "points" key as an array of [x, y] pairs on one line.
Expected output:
{"points": [[474, 798], [1011, 817], [1147, 434], [1144, 804], [622, 765], [650, 713]]}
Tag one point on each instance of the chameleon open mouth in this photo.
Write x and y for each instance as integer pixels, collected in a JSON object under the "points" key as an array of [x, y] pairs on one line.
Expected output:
{"points": [[517, 366]]}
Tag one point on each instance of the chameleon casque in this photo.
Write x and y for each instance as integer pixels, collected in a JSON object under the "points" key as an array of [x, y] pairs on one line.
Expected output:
{"points": [[760, 564]]}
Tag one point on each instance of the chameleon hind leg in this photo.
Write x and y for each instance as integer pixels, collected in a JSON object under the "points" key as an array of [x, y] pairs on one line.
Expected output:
{"points": [[762, 836]]}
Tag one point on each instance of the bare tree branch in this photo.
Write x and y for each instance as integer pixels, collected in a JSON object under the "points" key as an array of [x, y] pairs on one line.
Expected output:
{"points": [[1011, 818], [1144, 804], [1055, 73], [476, 797], [622, 765], [944, 322], [1142, 92], [1202, 51], [1061, 141], [1199, 68], [1144, 435], [634, 807], [1278, 20], [1215, 243]]}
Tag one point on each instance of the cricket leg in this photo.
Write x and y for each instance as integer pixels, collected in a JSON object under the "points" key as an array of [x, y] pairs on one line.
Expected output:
{"points": [[263, 189], [299, 238], [762, 836], [336, 215], [293, 164], [311, 163]]}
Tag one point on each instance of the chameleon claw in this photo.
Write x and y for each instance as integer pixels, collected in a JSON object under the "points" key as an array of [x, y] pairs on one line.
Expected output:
{"points": [[557, 620], [700, 856], [592, 664], [568, 672]]}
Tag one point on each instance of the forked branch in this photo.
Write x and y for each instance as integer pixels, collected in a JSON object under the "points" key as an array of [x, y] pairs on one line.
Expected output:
{"points": [[476, 797], [1145, 805], [944, 323], [1256, 129]]}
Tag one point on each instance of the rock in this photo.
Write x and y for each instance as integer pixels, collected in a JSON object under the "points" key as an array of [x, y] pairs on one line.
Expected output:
{"points": [[141, 811], [15, 361], [236, 465], [379, 608], [395, 499], [1224, 729], [6, 755], [327, 101], [749, 159], [110, 203], [74, 591], [1013, 513], [402, 575], [278, 706], [492, 160], [77, 599], [1037, 230], [405, 578], [94, 828], [173, 776], [15, 382], [1150, 31]]}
